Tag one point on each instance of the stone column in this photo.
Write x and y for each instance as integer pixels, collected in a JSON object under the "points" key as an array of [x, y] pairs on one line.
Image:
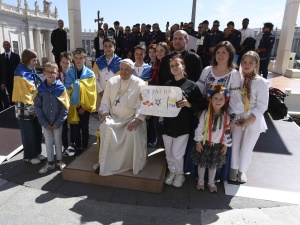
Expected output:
{"points": [[29, 39], [194, 13], [48, 46], [286, 36], [37, 43], [75, 24]]}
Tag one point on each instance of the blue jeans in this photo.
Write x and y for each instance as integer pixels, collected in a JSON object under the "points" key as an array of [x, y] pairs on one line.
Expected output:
{"points": [[31, 133], [53, 137]]}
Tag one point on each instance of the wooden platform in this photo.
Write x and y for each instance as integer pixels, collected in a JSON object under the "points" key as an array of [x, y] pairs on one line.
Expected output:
{"points": [[10, 135], [150, 179], [282, 82]]}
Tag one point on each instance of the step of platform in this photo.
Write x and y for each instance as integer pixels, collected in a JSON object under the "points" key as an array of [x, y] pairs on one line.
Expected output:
{"points": [[150, 179]]}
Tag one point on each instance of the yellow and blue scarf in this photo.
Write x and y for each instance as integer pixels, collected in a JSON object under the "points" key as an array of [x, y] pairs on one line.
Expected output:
{"points": [[82, 92], [114, 65], [25, 83], [58, 90]]}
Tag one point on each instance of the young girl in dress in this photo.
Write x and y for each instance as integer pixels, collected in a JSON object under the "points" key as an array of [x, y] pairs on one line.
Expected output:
{"points": [[212, 137], [251, 123]]}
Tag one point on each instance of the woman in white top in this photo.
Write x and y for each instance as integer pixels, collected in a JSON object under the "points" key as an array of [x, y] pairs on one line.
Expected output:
{"points": [[222, 72]]}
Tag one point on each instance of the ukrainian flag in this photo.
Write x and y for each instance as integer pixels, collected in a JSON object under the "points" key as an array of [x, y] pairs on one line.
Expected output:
{"points": [[25, 83], [58, 90], [82, 92]]}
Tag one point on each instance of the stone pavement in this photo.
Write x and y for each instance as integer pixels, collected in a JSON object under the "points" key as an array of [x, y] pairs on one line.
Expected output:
{"points": [[27, 197]]}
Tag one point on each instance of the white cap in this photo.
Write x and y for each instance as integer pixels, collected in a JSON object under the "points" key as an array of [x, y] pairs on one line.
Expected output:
{"points": [[128, 62]]}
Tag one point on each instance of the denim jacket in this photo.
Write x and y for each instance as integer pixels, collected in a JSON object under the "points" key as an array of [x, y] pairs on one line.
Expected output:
{"points": [[48, 109]]}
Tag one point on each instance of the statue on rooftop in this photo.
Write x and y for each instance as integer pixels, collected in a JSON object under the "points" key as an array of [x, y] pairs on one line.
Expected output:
{"points": [[47, 6], [36, 5], [26, 5], [19, 4], [55, 11]]}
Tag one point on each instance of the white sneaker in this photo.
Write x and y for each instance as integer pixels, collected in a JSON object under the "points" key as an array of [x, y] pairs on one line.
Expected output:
{"points": [[242, 177], [178, 181], [41, 157], [33, 161], [66, 153], [47, 168], [60, 164], [170, 177], [95, 166]]}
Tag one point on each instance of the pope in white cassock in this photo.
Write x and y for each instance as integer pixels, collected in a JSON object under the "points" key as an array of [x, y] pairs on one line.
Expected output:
{"points": [[123, 134]]}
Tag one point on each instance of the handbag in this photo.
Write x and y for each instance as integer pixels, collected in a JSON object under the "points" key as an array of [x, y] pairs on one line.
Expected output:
{"points": [[276, 106]]}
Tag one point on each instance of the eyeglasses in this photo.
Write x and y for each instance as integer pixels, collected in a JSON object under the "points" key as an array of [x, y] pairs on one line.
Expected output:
{"points": [[127, 30], [50, 72], [155, 27], [190, 27], [216, 25]]}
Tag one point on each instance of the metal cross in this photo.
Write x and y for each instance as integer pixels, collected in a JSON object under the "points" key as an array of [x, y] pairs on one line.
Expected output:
{"points": [[99, 20]]}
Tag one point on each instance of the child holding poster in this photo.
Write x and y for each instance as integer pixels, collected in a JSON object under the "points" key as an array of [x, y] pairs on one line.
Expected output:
{"points": [[176, 129], [212, 137]]}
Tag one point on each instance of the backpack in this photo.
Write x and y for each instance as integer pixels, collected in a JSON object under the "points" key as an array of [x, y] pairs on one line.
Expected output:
{"points": [[276, 107]]}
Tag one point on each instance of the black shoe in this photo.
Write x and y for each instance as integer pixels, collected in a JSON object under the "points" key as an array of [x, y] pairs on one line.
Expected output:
{"points": [[97, 171]]}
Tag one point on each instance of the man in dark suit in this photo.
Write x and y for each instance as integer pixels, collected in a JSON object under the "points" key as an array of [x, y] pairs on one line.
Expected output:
{"points": [[59, 41], [98, 43], [118, 36], [8, 63]]}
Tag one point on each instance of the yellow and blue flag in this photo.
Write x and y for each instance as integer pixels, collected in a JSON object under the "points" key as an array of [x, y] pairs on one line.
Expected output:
{"points": [[82, 92], [25, 82]]}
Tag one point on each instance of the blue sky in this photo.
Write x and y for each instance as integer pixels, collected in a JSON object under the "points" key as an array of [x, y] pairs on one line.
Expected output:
{"points": [[175, 11]]}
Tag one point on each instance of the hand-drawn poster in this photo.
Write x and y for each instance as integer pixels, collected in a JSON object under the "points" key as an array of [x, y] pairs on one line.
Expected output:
{"points": [[160, 100]]}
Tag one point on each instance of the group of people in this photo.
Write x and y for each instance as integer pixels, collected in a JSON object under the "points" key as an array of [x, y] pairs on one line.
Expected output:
{"points": [[221, 108], [46, 106], [207, 38]]}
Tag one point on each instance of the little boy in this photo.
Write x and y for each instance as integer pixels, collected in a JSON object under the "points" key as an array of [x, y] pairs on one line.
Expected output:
{"points": [[81, 86], [65, 64], [51, 108], [106, 66]]}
